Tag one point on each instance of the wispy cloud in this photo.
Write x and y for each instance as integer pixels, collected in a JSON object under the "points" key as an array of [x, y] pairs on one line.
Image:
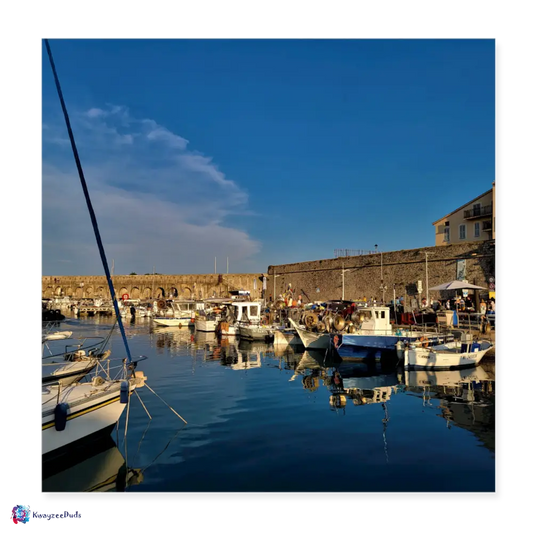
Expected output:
{"points": [[157, 202]]}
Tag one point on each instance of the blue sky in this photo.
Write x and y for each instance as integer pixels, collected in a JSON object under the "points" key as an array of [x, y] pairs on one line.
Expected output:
{"points": [[266, 151]]}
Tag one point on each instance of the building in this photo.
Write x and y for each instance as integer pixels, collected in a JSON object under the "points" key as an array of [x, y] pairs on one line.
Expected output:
{"points": [[472, 222]]}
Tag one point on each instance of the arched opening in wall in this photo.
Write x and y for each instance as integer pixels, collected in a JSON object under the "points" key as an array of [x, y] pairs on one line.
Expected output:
{"points": [[48, 292], [122, 292], [100, 291], [173, 292], [147, 293], [135, 293], [89, 292], [69, 291], [79, 292], [187, 293], [58, 291], [160, 293]]}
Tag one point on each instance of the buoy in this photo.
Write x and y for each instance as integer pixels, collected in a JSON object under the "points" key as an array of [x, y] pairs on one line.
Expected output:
{"points": [[125, 297], [60, 416], [124, 391]]}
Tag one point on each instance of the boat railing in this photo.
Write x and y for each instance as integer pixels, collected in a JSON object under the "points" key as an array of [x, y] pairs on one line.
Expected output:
{"points": [[95, 347]]}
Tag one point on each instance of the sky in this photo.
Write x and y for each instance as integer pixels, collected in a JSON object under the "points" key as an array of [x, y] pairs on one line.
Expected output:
{"points": [[261, 151]]}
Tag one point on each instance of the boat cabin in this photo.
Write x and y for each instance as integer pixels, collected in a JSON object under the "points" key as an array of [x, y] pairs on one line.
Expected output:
{"points": [[247, 312], [374, 319]]}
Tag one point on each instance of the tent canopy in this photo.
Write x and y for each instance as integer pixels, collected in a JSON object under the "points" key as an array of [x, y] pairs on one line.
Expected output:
{"points": [[456, 285]]}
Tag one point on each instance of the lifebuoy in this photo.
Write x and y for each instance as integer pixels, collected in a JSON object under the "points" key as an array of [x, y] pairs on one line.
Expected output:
{"points": [[125, 297], [424, 342]]}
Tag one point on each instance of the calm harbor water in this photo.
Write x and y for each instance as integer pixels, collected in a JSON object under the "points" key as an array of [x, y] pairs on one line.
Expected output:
{"points": [[265, 419]]}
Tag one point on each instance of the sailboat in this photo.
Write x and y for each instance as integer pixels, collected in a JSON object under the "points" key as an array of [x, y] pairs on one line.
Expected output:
{"points": [[79, 412]]}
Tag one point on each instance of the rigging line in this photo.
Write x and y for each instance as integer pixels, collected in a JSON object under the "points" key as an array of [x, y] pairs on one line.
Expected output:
{"points": [[88, 199]]}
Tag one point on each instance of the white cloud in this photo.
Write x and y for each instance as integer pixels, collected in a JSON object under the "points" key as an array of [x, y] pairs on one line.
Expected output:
{"points": [[156, 202]]}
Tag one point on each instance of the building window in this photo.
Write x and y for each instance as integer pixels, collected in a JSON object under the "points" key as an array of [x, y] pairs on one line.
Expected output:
{"points": [[476, 209], [446, 234], [476, 229], [462, 231]]}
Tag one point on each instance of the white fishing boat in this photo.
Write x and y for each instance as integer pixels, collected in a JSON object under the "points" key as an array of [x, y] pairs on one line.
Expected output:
{"points": [[207, 319], [182, 313], [83, 410], [462, 352], [311, 340], [249, 323]]}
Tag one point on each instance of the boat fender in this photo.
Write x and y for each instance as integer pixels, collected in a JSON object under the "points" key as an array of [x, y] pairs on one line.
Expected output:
{"points": [[124, 391], [60, 416], [423, 342]]}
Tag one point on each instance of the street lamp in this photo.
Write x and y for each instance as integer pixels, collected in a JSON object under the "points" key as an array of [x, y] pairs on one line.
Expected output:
{"points": [[344, 270], [427, 282], [275, 295]]}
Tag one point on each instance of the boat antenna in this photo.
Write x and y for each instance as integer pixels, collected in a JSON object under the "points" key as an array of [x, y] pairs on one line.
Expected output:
{"points": [[88, 200]]}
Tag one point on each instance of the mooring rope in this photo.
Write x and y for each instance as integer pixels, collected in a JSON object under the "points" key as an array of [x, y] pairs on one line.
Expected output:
{"points": [[88, 200]]}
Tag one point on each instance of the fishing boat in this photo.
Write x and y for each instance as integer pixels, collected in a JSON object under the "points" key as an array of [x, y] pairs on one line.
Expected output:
{"points": [[462, 352], [81, 411], [207, 319], [182, 313], [249, 323], [310, 339], [371, 328]]}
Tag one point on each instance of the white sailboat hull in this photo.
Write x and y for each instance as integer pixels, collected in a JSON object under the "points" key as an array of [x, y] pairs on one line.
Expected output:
{"points": [[86, 415]]}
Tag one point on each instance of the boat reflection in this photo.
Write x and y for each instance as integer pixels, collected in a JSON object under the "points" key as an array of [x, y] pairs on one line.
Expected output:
{"points": [[103, 469], [464, 398]]}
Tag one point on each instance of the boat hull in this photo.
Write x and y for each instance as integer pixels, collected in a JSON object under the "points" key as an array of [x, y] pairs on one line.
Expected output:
{"points": [[257, 333], [311, 340], [415, 357], [173, 322], [95, 415], [287, 338], [207, 326], [382, 342]]}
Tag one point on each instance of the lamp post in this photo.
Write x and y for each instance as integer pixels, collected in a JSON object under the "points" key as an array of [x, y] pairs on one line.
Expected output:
{"points": [[344, 270], [427, 282], [275, 276]]}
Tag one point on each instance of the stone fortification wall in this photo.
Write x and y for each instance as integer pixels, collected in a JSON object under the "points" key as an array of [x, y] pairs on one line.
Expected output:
{"points": [[399, 270]]}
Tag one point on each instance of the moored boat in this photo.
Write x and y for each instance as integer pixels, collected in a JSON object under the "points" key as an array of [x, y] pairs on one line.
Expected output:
{"points": [[310, 339], [182, 313], [462, 352], [80, 411]]}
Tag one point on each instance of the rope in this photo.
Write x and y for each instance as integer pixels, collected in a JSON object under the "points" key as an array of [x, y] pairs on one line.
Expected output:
{"points": [[88, 199]]}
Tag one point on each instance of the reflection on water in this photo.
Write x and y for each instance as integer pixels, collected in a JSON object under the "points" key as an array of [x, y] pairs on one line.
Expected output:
{"points": [[259, 415], [102, 468], [464, 397]]}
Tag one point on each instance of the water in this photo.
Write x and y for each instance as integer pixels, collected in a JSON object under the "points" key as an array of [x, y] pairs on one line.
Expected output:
{"points": [[261, 419]]}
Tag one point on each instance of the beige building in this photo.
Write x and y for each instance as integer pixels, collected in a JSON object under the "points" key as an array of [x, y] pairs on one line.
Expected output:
{"points": [[473, 221]]}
